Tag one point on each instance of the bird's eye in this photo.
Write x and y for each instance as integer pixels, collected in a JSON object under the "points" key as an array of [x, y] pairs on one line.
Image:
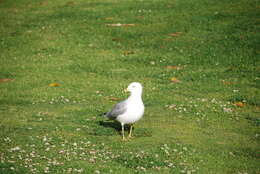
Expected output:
{"points": [[133, 86]]}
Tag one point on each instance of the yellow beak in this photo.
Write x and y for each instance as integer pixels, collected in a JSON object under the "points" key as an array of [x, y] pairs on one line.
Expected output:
{"points": [[126, 90]]}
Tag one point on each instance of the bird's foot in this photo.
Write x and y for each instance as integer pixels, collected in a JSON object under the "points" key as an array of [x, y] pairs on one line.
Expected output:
{"points": [[130, 136], [127, 139]]}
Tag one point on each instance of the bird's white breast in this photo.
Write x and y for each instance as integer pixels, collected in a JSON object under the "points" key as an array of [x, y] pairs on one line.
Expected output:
{"points": [[134, 112]]}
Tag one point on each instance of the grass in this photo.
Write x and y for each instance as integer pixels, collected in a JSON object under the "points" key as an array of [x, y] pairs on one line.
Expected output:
{"points": [[192, 126]]}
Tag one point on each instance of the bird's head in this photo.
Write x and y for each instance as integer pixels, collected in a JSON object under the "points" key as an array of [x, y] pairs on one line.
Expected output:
{"points": [[134, 88]]}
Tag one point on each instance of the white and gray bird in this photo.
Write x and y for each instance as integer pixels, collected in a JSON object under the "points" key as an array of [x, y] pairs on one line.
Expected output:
{"points": [[130, 110]]}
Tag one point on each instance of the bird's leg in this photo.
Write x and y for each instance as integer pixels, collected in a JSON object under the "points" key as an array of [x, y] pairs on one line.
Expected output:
{"points": [[123, 131], [130, 132]]}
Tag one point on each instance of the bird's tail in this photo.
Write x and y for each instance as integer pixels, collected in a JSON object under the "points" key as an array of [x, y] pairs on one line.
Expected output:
{"points": [[103, 114]]}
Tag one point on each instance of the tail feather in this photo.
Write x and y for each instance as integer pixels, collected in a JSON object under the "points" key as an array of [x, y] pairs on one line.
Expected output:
{"points": [[103, 114]]}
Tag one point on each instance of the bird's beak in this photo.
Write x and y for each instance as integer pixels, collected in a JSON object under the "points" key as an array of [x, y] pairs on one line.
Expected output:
{"points": [[126, 90]]}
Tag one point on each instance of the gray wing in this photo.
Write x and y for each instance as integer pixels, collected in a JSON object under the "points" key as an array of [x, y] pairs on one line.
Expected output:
{"points": [[118, 109]]}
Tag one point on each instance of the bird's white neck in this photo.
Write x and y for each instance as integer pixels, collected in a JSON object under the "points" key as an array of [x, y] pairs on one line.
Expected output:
{"points": [[135, 96]]}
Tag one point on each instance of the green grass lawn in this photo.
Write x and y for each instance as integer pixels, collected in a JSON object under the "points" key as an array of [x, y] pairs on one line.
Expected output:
{"points": [[205, 121]]}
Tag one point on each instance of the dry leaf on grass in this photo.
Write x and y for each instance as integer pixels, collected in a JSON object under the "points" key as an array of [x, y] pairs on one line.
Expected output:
{"points": [[117, 39], [226, 82], [172, 67], [169, 6], [176, 34], [126, 53], [44, 3], [172, 35], [70, 3], [239, 104], [175, 80], [120, 25], [6, 80], [114, 99], [54, 84]]}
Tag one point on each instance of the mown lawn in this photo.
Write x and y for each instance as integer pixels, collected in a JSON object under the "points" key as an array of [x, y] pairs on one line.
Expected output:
{"points": [[65, 62]]}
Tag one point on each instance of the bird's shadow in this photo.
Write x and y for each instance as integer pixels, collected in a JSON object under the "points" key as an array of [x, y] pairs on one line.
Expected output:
{"points": [[113, 124], [110, 124]]}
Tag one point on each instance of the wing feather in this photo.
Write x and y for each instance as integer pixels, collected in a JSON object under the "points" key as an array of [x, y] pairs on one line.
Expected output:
{"points": [[117, 110]]}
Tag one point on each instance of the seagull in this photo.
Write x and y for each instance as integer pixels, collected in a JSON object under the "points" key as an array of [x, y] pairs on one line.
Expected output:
{"points": [[130, 110]]}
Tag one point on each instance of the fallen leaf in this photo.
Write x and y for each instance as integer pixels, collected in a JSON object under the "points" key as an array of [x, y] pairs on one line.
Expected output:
{"points": [[176, 34], [168, 6], [172, 67], [44, 3], [239, 104], [120, 25], [54, 84], [6, 80], [126, 53], [70, 3], [175, 80], [226, 82], [114, 99]]}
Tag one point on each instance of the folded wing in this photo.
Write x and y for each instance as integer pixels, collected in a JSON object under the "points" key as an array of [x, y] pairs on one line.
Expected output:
{"points": [[118, 109]]}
